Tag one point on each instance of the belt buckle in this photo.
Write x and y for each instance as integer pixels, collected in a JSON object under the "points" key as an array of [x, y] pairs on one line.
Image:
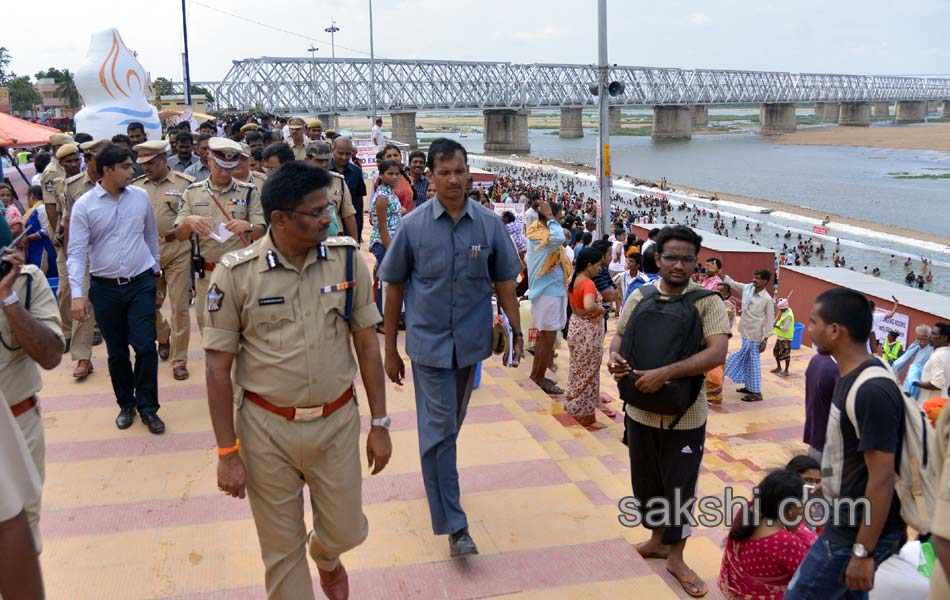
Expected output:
{"points": [[309, 413], [123, 280]]}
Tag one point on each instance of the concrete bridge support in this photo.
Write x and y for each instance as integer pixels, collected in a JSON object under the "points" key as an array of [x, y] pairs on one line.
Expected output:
{"points": [[672, 122], [933, 106], [330, 121], [571, 123], [827, 110], [506, 131], [855, 114], [881, 109], [404, 128], [700, 115], [613, 118], [945, 110], [777, 118], [911, 111]]}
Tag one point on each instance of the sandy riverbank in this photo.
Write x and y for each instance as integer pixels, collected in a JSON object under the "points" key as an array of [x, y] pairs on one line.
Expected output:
{"points": [[771, 204], [922, 136]]}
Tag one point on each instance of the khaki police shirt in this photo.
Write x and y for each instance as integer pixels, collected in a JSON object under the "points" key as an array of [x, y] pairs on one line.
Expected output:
{"points": [[20, 374], [240, 200], [292, 346], [76, 186], [51, 173], [165, 196], [341, 198], [715, 321], [19, 481], [300, 152]]}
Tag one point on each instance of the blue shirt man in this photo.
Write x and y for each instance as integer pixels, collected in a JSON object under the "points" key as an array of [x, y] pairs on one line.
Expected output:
{"points": [[456, 253], [552, 282]]}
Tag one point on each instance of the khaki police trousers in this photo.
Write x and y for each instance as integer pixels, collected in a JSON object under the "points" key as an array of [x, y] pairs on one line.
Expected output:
{"points": [[80, 346], [31, 424], [175, 285], [282, 456], [201, 299]]}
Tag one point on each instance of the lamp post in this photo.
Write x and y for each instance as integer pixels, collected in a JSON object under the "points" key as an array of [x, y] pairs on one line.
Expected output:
{"points": [[603, 138], [372, 63], [313, 77], [186, 69], [332, 29]]}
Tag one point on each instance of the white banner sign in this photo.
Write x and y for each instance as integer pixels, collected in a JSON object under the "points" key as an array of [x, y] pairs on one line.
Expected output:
{"points": [[516, 208], [882, 325]]}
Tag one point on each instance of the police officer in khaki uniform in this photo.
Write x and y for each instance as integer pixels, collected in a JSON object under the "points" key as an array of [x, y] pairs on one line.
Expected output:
{"points": [[285, 311], [315, 130], [244, 173], [51, 173], [319, 154], [165, 188], [297, 140], [31, 337], [218, 200], [79, 334]]}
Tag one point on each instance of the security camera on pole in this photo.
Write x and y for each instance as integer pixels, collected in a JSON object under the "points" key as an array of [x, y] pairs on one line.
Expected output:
{"points": [[614, 88]]}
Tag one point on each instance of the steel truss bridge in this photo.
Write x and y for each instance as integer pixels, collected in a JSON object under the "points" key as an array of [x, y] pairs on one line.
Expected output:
{"points": [[343, 86]]}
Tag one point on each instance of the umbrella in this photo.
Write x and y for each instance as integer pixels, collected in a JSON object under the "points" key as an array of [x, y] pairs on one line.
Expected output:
{"points": [[18, 132]]}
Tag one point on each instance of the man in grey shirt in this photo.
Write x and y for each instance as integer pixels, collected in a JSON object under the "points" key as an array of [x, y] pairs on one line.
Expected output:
{"points": [[200, 170], [456, 253], [114, 225]]}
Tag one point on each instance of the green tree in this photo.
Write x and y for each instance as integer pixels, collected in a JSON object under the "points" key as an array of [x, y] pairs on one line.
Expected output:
{"points": [[162, 87], [5, 75], [52, 73], [197, 89], [68, 90], [23, 96]]}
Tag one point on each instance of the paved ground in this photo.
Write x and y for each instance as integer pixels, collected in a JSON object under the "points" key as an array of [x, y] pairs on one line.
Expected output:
{"points": [[132, 516]]}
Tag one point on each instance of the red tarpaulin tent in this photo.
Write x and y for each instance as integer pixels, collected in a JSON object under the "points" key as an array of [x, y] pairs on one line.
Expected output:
{"points": [[15, 131]]}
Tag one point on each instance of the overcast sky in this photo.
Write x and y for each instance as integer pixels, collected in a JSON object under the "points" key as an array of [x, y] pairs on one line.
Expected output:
{"points": [[827, 36]]}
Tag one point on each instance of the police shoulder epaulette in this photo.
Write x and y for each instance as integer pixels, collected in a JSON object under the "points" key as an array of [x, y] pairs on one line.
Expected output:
{"points": [[243, 183], [75, 177], [237, 257], [340, 241], [184, 176], [138, 178], [196, 184], [335, 174]]}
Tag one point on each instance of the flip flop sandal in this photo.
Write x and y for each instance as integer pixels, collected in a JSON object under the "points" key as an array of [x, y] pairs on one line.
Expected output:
{"points": [[651, 554], [743, 390], [550, 388], [692, 585], [751, 398]]}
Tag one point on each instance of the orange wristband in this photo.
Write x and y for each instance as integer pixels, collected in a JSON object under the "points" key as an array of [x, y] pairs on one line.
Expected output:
{"points": [[231, 450]]}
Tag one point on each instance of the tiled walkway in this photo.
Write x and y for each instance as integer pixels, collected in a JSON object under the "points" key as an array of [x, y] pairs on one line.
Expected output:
{"points": [[132, 516]]}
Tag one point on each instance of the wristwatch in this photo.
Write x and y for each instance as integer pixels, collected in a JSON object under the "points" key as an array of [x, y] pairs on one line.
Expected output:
{"points": [[384, 422], [859, 551], [11, 299]]}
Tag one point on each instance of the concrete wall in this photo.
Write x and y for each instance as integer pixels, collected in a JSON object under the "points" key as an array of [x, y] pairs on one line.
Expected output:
{"points": [[404, 128], [506, 131], [777, 118], [855, 114], [881, 109], [571, 123], [700, 114], [672, 122], [911, 111], [807, 288]]}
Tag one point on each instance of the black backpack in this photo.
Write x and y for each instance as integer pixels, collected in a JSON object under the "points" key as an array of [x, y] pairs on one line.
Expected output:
{"points": [[663, 330]]}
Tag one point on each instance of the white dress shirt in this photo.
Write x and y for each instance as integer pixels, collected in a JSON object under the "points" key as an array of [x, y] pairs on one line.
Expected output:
{"points": [[936, 372], [120, 236]]}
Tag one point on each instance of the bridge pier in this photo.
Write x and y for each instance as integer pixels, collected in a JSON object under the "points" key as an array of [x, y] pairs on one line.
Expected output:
{"points": [[911, 111], [404, 128], [945, 110], [855, 114], [881, 109], [828, 111], [672, 122], [330, 121], [700, 116], [613, 118], [571, 123], [777, 118], [506, 131], [933, 106]]}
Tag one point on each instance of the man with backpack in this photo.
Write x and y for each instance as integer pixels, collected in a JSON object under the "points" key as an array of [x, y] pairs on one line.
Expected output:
{"points": [[670, 332], [863, 447]]}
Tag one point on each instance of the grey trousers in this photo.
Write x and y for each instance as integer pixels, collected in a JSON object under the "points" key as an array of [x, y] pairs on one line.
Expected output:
{"points": [[442, 397]]}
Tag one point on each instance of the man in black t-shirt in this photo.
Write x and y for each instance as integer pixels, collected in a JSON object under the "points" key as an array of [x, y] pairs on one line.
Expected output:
{"points": [[865, 526]]}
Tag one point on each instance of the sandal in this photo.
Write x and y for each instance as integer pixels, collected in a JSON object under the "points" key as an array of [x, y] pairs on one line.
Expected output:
{"points": [[692, 584], [651, 553], [743, 390], [752, 398], [550, 388], [589, 422], [609, 412]]}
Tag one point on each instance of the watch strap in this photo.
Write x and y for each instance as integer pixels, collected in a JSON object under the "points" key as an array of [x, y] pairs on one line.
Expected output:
{"points": [[13, 298]]}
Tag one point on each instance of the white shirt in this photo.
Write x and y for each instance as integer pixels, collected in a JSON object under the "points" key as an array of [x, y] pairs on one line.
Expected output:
{"points": [[377, 136], [936, 372], [617, 259], [647, 245], [530, 216], [120, 236]]}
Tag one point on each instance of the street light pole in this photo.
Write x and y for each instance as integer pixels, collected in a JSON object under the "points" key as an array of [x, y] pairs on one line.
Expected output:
{"points": [[187, 71], [313, 77], [372, 63], [332, 29], [603, 138]]}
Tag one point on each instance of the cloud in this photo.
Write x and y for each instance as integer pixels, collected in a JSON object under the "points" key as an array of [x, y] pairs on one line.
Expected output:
{"points": [[698, 18], [546, 33]]}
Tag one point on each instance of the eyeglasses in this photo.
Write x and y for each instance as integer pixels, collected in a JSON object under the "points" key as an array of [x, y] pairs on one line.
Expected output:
{"points": [[316, 215], [673, 259], [812, 480]]}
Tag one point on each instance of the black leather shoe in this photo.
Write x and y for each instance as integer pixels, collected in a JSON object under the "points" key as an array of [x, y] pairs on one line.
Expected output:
{"points": [[154, 423], [125, 418], [96, 338], [462, 544]]}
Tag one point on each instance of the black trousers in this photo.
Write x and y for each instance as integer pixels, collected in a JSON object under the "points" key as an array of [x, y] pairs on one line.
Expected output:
{"points": [[126, 317], [664, 467]]}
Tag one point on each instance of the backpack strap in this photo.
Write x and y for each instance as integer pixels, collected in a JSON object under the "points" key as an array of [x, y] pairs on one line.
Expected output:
{"points": [[850, 403], [348, 307], [697, 295]]}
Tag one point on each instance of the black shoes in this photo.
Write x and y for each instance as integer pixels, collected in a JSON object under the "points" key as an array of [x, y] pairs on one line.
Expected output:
{"points": [[96, 338], [462, 544], [154, 423], [125, 418]]}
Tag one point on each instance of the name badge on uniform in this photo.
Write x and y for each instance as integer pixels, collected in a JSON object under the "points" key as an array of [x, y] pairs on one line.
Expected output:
{"points": [[215, 296], [268, 301], [202, 204], [173, 193], [337, 287]]}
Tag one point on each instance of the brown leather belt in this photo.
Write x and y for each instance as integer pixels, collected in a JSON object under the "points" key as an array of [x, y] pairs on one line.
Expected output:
{"points": [[308, 413], [209, 266], [169, 238], [21, 407]]}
